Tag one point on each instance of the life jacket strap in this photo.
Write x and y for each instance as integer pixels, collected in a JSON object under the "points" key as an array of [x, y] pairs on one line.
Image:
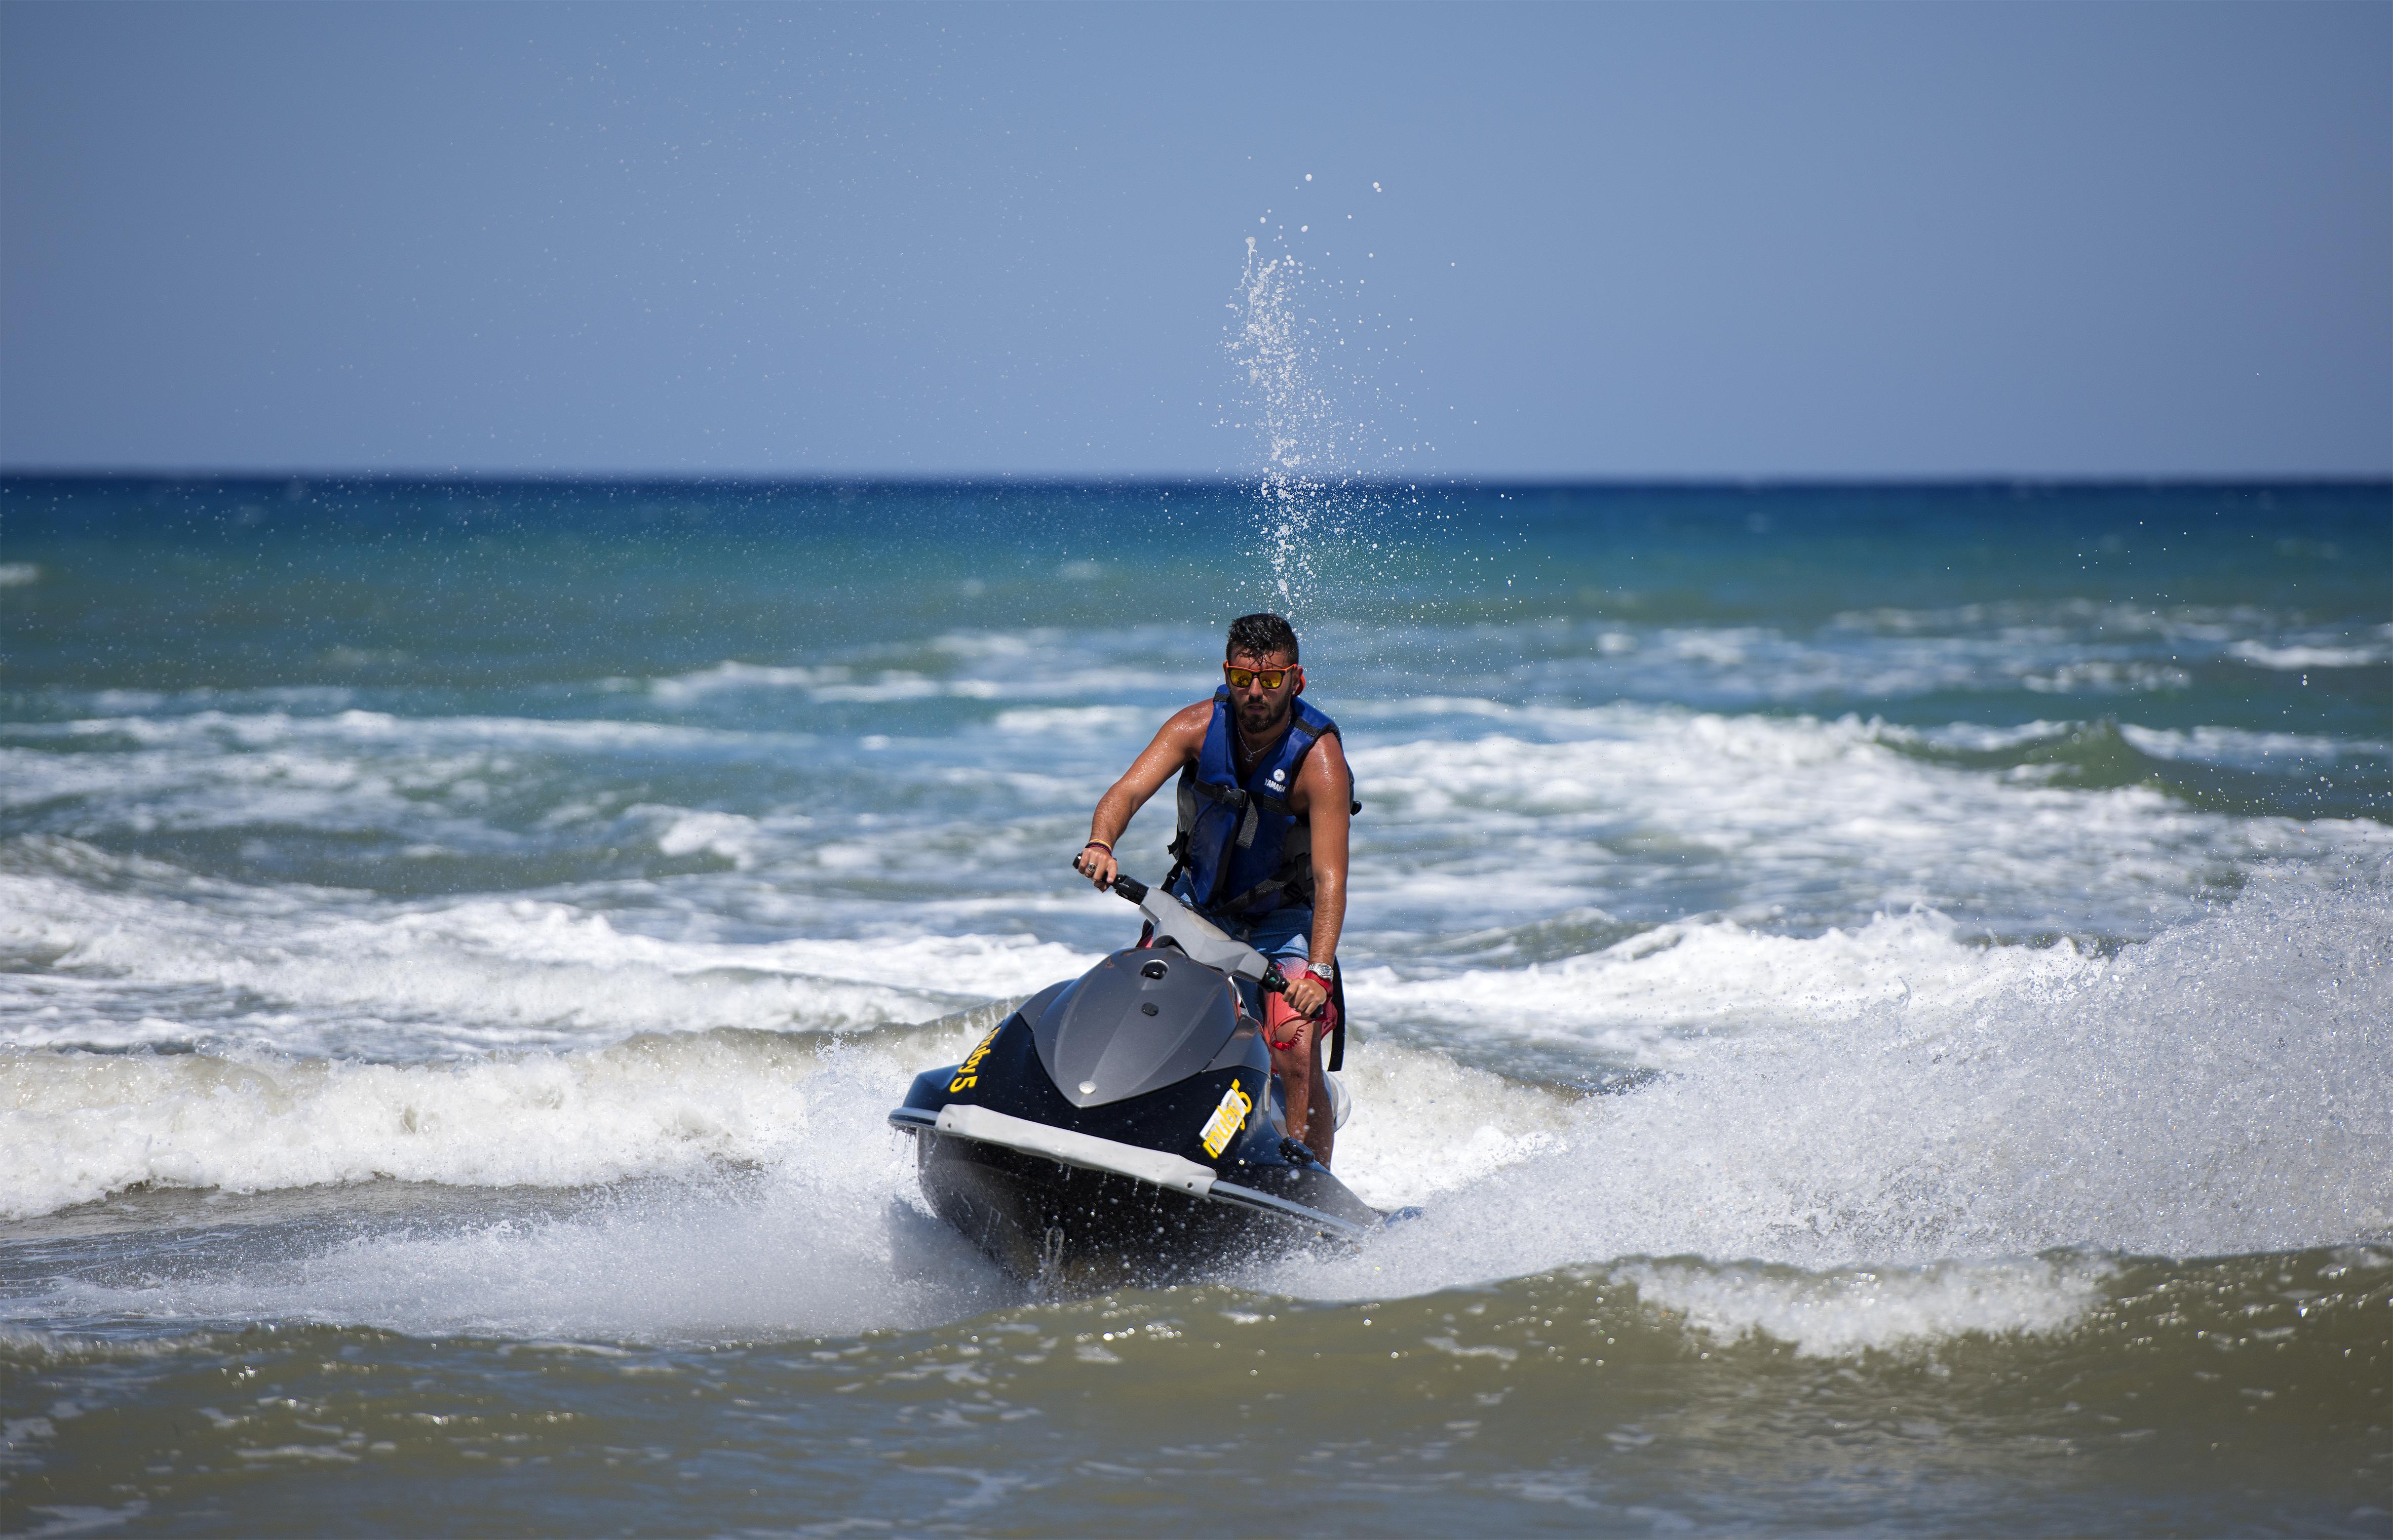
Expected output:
{"points": [[1239, 799], [1270, 887]]}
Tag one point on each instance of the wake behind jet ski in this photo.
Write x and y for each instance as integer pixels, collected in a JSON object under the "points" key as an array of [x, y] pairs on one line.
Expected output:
{"points": [[1120, 1127]]}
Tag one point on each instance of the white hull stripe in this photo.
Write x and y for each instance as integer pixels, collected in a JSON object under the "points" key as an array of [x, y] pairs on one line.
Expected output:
{"points": [[962, 1120]]}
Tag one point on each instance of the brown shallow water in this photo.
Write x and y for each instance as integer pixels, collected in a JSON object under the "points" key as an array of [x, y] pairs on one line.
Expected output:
{"points": [[2250, 1394]]}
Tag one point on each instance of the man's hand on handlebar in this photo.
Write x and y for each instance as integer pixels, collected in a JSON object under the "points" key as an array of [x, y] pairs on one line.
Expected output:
{"points": [[1307, 994], [1096, 863]]}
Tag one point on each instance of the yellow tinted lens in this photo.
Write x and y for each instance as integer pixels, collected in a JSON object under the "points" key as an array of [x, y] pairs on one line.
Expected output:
{"points": [[1241, 678]]}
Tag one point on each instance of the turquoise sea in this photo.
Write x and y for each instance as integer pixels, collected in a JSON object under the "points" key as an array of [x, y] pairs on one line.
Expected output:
{"points": [[1883, 995]]}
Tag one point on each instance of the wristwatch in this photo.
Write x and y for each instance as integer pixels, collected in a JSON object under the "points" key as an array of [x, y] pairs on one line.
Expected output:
{"points": [[1326, 971]]}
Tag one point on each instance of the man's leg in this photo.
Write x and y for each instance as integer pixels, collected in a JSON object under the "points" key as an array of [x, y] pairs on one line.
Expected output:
{"points": [[1284, 936], [1297, 1066]]}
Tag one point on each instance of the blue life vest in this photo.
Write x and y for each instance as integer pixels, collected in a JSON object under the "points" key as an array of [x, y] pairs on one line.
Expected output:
{"points": [[1242, 851]]}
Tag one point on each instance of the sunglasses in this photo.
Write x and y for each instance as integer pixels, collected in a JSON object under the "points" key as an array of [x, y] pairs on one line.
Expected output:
{"points": [[1271, 678]]}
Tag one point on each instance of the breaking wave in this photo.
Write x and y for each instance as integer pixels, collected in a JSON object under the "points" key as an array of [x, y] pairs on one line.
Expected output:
{"points": [[1875, 1173]]}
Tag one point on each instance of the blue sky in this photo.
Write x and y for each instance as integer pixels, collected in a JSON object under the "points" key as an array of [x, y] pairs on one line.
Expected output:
{"points": [[1543, 242]]}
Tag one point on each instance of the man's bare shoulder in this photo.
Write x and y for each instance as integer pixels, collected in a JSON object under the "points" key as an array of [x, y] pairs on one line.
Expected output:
{"points": [[1189, 720], [1179, 741], [1324, 772]]}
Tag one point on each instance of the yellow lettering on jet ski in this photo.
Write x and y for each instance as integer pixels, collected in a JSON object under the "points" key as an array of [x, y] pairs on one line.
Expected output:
{"points": [[967, 1073], [1227, 1119]]}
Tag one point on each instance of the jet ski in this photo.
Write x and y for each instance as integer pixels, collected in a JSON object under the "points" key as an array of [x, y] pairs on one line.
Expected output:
{"points": [[1123, 1128]]}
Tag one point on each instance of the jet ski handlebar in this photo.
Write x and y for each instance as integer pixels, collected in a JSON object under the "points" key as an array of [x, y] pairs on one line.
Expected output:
{"points": [[1273, 982]]}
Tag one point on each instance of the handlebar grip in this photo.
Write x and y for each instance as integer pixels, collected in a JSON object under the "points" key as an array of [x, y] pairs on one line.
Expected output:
{"points": [[1123, 883], [1275, 983]]}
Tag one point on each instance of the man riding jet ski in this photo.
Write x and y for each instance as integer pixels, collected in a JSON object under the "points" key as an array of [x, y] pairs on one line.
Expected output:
{"points": [[1265, 795], [1133, 1124]]}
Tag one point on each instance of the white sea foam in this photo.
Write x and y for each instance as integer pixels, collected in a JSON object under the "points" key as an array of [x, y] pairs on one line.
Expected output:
{"points": [[2206, 744], [2091, 650], [1637, 997], [1176, 687], [271, 967], [381, 730], [1554, 806], [353, 770], [1726, 664], [1008, 644], [732, 836], [2298, 655], [19, 574], [2223, 1089], [1423, 1125], [892, 684], [1842, 1312], [992, 663], [825, 1238], [805, 1255], [1976, 735], [446, 785], [1078, 722], [731, 674], [2250, 750], [81, 1125], [2182, 623], [1798, 808]]}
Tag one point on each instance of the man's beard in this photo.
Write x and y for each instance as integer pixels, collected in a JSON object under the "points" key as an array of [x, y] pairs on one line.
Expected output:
{"points": [[1258, 718]]}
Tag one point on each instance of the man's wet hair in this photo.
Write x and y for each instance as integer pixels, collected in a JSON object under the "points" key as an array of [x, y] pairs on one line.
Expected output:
{"points": [[1260, 636]]}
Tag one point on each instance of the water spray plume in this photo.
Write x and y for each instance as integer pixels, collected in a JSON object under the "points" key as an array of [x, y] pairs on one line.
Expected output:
{"points": [[1309, 490], [1289, 408]]}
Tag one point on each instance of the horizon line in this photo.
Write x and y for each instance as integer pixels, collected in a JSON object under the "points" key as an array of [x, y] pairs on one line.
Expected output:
{"points": [[1207, 481]]}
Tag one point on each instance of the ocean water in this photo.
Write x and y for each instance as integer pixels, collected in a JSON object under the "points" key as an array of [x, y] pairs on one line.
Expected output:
{"points": [[1881, 995]]}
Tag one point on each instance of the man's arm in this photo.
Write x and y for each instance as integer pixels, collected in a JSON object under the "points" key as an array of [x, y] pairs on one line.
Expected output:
{"points": [[1325, 787], [1176, 744]]}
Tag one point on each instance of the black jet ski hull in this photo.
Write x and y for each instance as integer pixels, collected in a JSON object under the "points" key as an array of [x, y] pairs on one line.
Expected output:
{"points": [[1081, 1228], [1166, 1183]]}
